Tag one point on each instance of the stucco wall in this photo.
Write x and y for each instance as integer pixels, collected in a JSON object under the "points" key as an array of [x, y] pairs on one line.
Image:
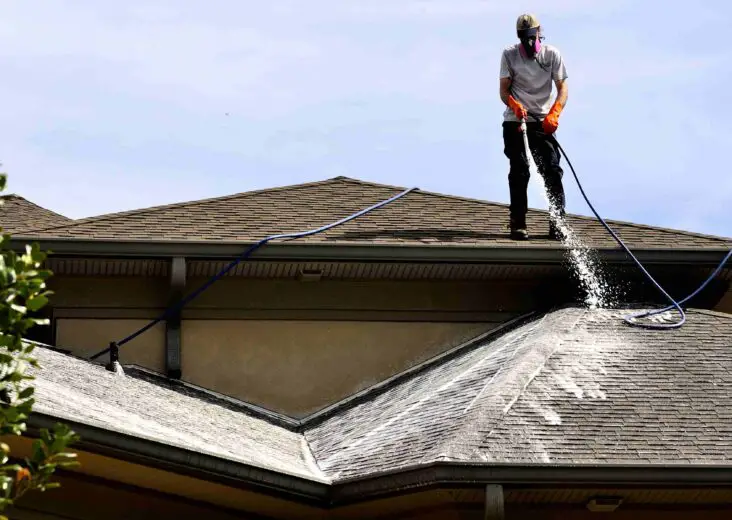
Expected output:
{"points": [[287, 345], [86, 337], [298, 367], [725, 304], [127, 294], [294, 367], [121, 292]]}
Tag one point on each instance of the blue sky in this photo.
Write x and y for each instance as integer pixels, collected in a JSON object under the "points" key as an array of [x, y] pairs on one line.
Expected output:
{"points": [[108, 106]]}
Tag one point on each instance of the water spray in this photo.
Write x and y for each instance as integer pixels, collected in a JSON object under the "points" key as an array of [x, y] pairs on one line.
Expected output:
{"points": [[631, 319]]}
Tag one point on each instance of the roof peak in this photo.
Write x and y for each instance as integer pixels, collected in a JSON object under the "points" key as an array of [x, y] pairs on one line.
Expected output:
{"points": [[18, 214]]}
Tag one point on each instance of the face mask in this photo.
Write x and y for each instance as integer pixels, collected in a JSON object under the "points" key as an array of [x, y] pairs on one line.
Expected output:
{"points": [[530, 46]]}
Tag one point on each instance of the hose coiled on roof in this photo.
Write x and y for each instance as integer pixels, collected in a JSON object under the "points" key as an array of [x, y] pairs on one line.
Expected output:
{"points": [[632, 319]]}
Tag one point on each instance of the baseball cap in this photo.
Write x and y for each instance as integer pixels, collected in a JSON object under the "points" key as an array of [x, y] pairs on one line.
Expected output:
{"points": [[527, 24]]}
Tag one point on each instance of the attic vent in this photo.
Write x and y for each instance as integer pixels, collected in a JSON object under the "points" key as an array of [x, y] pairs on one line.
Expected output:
{"points": [[604, 504], [310, 275]]}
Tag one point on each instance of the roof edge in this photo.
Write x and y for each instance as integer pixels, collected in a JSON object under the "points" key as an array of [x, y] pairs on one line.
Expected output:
{"points": [[458, 473], [198, 465], [359, 489], [361, 252]]}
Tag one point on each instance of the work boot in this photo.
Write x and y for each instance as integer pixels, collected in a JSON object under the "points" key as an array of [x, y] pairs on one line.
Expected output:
{"points": [[518, 230]]}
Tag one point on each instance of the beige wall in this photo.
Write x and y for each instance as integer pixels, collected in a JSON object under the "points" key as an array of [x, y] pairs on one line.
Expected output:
{"points": [[116, 292], [106, 488], [293, 367], [260, 339], [86, 337], [298, 367], [130, 294], [725, 304], [371, 294]]}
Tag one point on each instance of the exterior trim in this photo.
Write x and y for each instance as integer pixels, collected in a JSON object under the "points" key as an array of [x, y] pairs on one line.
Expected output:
{"points": [[326, 495], [194, 464], [456, 473], [173, 323], [372, 252], [122, 313]]}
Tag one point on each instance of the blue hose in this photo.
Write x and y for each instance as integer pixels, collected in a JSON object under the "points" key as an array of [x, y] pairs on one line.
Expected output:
{"points": [[289, 236], [674, 304]]}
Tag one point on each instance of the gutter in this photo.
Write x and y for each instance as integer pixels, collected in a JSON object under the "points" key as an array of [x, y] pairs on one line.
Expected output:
{"points": [[73, 247], [443, 474], [186, 462], [358, 489]]}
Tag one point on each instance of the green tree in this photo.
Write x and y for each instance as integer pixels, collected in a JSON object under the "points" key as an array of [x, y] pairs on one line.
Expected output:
{"points": [[22, 294]]}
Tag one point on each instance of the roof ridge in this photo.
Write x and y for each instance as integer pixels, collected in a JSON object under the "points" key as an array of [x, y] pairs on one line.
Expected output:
{"points": [[371, 183], [152, 209], [20, 198], [468, 417]]}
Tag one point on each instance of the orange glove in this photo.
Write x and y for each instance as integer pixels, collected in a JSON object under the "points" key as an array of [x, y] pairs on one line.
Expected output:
{"points": [[517, 108], [551, 121]]}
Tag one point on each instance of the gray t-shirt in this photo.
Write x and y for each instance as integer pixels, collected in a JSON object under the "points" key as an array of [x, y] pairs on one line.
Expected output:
{"points": [[532, 79]]}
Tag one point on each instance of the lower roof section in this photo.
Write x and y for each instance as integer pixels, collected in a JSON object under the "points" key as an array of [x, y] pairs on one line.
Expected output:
{"points": [[572, 396]]}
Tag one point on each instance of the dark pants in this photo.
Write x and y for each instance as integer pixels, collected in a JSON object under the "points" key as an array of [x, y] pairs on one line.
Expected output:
{"points": [[546, 156]]}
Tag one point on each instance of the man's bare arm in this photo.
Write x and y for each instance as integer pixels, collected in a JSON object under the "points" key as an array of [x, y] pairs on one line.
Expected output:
{"points": [[562, 92], [505, 89]]}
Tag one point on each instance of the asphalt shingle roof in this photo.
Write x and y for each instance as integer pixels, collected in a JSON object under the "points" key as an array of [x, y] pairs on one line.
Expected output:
{"points": [[420, 218], [76, 390], [575, 386], [18, 214]]}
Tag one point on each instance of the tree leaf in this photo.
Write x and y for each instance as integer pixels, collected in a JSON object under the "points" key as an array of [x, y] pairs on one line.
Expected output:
{"points": [[36, 303], [18, 308]]}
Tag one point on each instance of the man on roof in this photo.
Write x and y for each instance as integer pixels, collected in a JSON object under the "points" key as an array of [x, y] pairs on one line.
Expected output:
{"points": [[528, 69]]}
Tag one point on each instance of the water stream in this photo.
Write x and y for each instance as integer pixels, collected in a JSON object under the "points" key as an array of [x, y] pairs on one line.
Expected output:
{"points": [[582, 259]]}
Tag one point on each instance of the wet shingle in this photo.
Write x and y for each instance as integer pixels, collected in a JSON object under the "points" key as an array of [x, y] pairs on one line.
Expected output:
{"points": [[77, 390], [575, 387], [572, 387]]}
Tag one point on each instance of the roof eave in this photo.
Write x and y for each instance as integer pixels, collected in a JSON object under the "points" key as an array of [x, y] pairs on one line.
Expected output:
{"points": [[357, 252], [467, 474], [178, 460], [349, 491]]}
